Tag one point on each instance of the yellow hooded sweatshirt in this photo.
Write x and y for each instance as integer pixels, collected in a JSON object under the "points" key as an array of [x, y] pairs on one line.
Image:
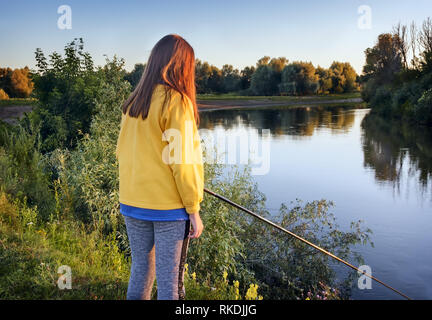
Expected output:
{"points": [[160, 157]]}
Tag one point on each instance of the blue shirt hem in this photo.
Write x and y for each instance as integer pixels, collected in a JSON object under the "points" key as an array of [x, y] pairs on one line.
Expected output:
{"points": [[153, 214]]}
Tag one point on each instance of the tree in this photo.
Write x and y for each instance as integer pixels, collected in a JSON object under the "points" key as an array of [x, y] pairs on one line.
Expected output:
{"points": [[343, 77], [215, 81], [21, 84], [16, 83], [3, 95], [66, 87], [231, 78], [384, 60], [263, 61], [5, 80], [262, 81], [299, 78], [134, 76], [246, 77], [267, 76], [202, 74], [324, 80]]}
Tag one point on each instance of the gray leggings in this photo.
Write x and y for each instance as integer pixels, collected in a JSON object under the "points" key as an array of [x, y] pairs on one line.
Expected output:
{"points": [[158, 250]]}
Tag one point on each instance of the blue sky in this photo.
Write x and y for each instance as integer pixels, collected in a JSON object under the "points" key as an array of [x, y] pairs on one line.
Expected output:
{"points": [[236, 32]]}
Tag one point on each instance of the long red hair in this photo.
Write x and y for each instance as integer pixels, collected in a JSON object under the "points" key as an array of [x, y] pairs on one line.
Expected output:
{"points": [[172, 63]]}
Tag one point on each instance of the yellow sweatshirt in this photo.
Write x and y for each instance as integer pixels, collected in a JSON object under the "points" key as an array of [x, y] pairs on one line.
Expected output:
{"points": [[155, 170]]}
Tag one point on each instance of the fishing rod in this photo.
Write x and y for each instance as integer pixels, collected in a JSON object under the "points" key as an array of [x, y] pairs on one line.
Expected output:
{"points": [[218, 196]]}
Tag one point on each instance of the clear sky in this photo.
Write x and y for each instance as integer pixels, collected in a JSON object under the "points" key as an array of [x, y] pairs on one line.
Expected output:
{"points": [[236, 32]]}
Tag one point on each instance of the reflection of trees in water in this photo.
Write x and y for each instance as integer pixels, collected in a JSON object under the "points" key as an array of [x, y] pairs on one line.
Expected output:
{"points": [[298, 121], [389, 145]]}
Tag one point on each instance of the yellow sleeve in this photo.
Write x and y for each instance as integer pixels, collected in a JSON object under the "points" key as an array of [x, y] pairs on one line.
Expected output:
{"points": [[183, 151]]}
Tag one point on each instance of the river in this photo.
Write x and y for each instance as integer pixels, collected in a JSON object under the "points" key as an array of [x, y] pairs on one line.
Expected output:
{"points": [[375, 170]]}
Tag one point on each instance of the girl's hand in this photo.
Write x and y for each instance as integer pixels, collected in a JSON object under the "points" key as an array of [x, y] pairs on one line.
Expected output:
{"points": [[197, 226]]}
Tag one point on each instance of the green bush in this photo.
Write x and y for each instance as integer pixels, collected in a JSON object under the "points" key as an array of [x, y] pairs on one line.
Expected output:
{"points": [[24, 173], [65, 88], [423, 109]]}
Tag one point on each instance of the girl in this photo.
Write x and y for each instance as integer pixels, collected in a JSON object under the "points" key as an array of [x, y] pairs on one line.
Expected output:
{"points": [[160, 187]]}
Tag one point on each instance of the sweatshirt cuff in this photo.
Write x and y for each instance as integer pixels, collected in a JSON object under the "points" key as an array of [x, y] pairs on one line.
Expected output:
{"points": [[192, 209]]}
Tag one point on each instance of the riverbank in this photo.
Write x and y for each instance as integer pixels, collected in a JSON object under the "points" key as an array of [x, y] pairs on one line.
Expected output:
{"points": [[213, 102], [12, 109], [253, 104]]}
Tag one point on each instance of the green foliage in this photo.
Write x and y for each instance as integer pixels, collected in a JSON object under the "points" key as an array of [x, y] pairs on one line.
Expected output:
{"points": [[287, 268], [91, 169], [263, 81], [65, 87], [384, 60], [423, 109], [134, 76], [394, 88], [24, 172], [299, 78], [231, 78]]}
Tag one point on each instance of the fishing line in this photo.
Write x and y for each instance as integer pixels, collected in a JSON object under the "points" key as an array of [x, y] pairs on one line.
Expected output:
{"points": [[301, 239]]}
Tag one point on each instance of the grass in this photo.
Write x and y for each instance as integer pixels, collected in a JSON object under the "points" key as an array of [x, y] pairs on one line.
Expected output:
{"points": [[18, 102], [31, 253], [233, 96]]}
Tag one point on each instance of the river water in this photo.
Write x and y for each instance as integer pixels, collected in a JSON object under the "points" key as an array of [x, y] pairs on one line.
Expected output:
{"points": [[372, 169]]}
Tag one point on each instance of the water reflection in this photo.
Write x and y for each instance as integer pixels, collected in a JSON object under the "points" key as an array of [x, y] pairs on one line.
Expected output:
{"points": [[358, 161], [280, 121], [397, 151]]}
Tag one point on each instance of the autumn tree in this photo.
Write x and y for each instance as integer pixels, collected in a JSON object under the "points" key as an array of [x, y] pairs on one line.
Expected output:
{"points": [[3, 95], [16, 83], [343, 77], [324, 80]]}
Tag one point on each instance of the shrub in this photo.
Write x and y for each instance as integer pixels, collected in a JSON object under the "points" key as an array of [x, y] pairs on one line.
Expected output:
{"points": [[65, 87], [24, 172], [423, 109]]}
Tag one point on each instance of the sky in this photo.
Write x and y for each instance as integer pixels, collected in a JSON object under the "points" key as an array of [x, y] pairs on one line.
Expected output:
{"points": [[236, 32]]}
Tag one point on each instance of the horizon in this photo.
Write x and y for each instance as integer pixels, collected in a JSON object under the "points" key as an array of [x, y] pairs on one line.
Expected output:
{"points": [[245, 34]]}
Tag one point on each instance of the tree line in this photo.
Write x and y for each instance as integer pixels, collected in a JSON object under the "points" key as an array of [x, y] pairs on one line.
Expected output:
{"points": [[270, 76], [397, 76]]}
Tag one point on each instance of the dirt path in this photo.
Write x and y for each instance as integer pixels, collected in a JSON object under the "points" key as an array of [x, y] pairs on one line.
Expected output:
{"points": [[210, 105], [10, 114]]}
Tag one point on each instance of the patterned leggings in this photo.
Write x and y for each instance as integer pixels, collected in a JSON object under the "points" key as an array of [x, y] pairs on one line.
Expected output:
{"points": [[159, 251]]}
